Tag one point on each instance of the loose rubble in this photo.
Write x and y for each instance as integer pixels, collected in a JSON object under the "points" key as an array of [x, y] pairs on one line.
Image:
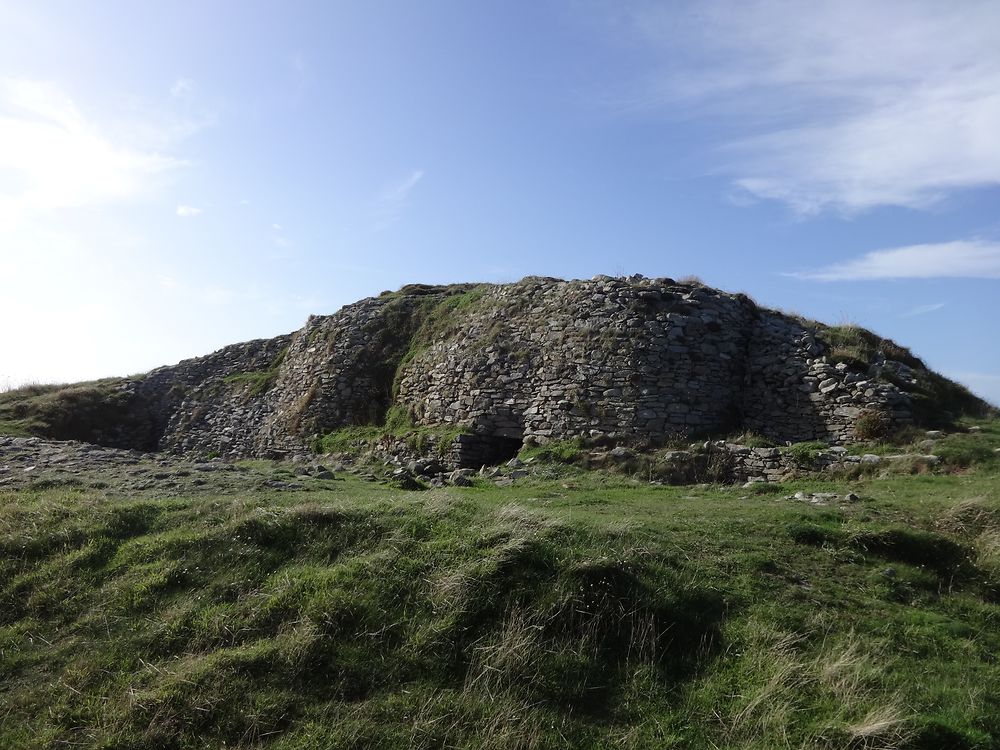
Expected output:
{"points": [[823, 498], [33, 463]]}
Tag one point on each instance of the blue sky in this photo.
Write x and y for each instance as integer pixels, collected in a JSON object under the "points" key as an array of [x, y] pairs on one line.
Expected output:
{"points": [[178, 176]]}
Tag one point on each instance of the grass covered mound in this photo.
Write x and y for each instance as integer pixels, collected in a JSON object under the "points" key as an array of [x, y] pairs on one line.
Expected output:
{"points": [[583, 611], [105, 412], [937, 401]]}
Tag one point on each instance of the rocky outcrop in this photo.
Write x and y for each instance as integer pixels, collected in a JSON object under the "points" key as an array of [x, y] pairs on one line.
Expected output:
{"points": [[629, 361]]}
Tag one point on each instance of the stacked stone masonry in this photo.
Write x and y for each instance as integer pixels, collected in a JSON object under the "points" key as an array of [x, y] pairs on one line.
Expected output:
{"points": [[627, 360], [637, 360]]}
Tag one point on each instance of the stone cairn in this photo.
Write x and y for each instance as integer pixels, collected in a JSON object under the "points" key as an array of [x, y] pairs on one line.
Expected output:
{"points": [[628, 361]]}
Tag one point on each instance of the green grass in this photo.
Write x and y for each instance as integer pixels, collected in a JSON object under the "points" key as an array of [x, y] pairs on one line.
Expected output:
{"points": [[557, 451], [99, 411], [965, 449], [751, 440], [22, 410], [805, 453], [256, 383], [397, 425], [857, 347], [586, 612], [438, 318], [937, 401], [958, 450]]}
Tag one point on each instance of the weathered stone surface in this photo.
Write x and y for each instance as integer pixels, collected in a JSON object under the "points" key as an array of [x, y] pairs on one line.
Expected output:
{"points": [[627, 361]]}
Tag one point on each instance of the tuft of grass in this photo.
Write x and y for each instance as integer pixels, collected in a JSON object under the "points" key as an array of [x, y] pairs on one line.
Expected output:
{"points": [[256, 383], [557, 451], [805, 453], [978, 518], [784, 675], [937, 401], [857, 347], [963, 450], [751, 440], [398, 424]]}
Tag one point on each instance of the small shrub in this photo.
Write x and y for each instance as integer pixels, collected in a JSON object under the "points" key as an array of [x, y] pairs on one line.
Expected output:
{"points": [[872, 424], [805, 453]]}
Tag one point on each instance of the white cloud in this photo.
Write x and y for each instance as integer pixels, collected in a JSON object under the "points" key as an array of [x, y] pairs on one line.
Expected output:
{"points": [[182, 87], [167, 283], [188, 211], [922, 310], [839, 104], [300, 76], [393, 198], [400, 190], [975, 259], [52, 157]]}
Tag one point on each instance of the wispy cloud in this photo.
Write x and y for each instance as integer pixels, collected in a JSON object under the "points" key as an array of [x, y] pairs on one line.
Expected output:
{"points": [[922, 310], [187, 212], [841, 105], [976, 259], [280, 240], [55, 158], [182, 87], [300, 76], [399, 191], [392, 200]]}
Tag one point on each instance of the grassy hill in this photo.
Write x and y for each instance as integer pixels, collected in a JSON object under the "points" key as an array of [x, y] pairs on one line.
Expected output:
{"points": [[569, 610], [105, 412]]}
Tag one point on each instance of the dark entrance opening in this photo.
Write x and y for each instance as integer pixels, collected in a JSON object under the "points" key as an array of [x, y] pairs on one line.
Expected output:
{"points": [[500, 450], [486, 450]]}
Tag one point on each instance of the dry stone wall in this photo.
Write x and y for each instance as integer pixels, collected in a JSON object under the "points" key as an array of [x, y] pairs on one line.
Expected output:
{"points": [[552, 359], [636, 360], [214, 404], [340, 368], [623, 360], [792, 393]]}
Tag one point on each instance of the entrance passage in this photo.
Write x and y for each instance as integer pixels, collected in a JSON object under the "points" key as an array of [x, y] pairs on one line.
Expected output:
{"points": [[474, 451]]}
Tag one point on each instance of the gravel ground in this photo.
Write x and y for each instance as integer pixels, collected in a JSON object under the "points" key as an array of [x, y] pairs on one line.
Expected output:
{"points": [[33, 463]]}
